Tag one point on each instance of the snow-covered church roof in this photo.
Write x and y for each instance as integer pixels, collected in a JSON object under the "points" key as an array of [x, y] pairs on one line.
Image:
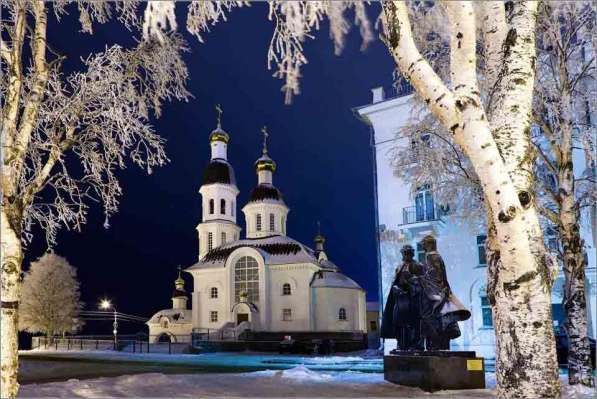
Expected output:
{"points": [[278, 250], [175, 316], [275, 250], [331, 279]]}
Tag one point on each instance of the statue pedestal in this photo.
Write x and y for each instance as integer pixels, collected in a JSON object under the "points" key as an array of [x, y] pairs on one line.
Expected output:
{"points": [[435, 370]]}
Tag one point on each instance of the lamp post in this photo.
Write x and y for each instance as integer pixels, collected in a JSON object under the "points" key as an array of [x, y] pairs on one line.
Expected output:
{"points": [[105, 304]]}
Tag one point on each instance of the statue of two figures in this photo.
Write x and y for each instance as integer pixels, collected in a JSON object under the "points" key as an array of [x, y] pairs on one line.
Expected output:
{"points": [[421, 311]]}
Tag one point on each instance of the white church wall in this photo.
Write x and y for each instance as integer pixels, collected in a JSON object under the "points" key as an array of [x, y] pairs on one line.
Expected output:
{"points": [[264, 209], [203, 304], [299, 301], [327, 302], [178, 332]]}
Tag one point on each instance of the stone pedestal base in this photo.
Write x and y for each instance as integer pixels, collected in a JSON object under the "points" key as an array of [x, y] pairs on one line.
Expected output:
{"points": [[435, 370]]}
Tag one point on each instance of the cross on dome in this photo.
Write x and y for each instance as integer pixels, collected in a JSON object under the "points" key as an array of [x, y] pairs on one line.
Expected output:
{"points": [[265, 136], [220, 112]]}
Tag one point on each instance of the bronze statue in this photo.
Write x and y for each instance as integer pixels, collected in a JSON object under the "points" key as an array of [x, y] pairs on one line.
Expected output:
{"points": [[402, 315], [421, 312]]}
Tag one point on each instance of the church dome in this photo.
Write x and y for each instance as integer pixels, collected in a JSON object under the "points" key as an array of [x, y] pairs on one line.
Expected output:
{"points": [[218, 171], [218, 134], [264, 162], [265, 192]]}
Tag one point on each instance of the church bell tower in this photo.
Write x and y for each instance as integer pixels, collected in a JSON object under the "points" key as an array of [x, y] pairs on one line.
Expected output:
{"points": [[218, 192], [266, 212]]}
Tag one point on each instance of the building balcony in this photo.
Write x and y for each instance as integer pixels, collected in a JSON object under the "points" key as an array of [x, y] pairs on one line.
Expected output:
{"points": [[421, 220], [414, 214]]}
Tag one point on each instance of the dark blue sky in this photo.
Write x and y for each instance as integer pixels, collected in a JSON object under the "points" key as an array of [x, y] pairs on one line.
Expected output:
{"points": [[324, 159]]}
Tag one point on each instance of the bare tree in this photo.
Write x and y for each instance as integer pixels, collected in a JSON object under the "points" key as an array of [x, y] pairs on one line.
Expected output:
{"points": [[64, 136], [564, 97], [50, 297], [492, 130]]}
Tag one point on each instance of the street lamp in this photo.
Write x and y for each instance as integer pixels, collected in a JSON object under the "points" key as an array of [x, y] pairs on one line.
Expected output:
{"points": [[105, 304]]}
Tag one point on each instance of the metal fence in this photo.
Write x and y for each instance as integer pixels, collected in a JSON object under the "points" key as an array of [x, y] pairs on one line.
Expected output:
{"points": [[121, 344]]}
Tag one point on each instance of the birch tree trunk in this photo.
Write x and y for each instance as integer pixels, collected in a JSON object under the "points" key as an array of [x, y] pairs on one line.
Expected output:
{"points": [[18, 122], [520, 274], [575, 303], [11, 260]]}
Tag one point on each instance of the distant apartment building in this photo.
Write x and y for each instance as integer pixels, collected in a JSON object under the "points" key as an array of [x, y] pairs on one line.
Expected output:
{"points": [[405, 216]]}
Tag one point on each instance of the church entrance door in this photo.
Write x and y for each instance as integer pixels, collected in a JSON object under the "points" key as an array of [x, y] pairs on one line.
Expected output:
{"points": [[240, 317]]}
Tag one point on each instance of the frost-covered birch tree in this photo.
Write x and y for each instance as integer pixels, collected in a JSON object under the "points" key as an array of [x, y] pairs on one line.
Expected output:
{"points": [[50, 297], [493, 131], [65, 136], [563, 109]]}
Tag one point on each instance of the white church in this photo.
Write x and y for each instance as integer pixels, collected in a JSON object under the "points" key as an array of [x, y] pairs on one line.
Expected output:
{"points": [[264, 282]]}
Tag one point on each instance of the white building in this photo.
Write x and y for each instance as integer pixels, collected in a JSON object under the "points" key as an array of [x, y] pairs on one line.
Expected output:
{"points": [[174, 325], [265, 282], [403, 218]]}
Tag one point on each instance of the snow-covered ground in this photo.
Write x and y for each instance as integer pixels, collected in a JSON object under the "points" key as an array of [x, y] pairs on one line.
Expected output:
{"points": [[296, 382], [278, 376]]}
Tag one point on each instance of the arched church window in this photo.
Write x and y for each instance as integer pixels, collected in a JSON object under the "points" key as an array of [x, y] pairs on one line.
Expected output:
{"points": [[342, 314], [211, 206], [271, 222], [223, 206], [232, 208], [223, 237], [213, 292], [210, 241], [258, 222], [164, 323], [246, 279], [283, 222], [286, 290]]}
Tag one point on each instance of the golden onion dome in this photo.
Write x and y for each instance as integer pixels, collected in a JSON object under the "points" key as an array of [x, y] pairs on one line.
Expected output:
{"points": [[265, 163], [218, 134]]}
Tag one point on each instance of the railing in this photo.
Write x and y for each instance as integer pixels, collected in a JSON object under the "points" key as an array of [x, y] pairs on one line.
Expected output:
{"points": [[412, 214], [131, 344]]}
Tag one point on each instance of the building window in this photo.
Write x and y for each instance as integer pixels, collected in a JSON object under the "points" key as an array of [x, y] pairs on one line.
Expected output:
{"points": [[286, 314], [213, 293], [271, 222], [210, 241], [211, 206], [286, 290], [223, 237], [424, 204], [213, 316], [482, 256], [342, 314], [486, 312], [283, 222], [223, 206], [258, 222], [246, 279], [232, 208], [373, 325], [420, 253]]}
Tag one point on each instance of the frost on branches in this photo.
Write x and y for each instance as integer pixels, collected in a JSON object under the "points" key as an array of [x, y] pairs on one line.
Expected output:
{"points": [[294, 22], [50, 297], [563, 104], [65, 136], [481, 95]]}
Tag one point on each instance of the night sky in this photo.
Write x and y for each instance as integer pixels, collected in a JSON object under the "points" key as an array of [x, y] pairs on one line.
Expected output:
{"points": [[323, 152]]}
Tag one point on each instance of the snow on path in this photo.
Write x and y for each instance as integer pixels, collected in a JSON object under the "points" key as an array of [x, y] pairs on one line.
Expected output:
{"points": [[295, 382]]}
